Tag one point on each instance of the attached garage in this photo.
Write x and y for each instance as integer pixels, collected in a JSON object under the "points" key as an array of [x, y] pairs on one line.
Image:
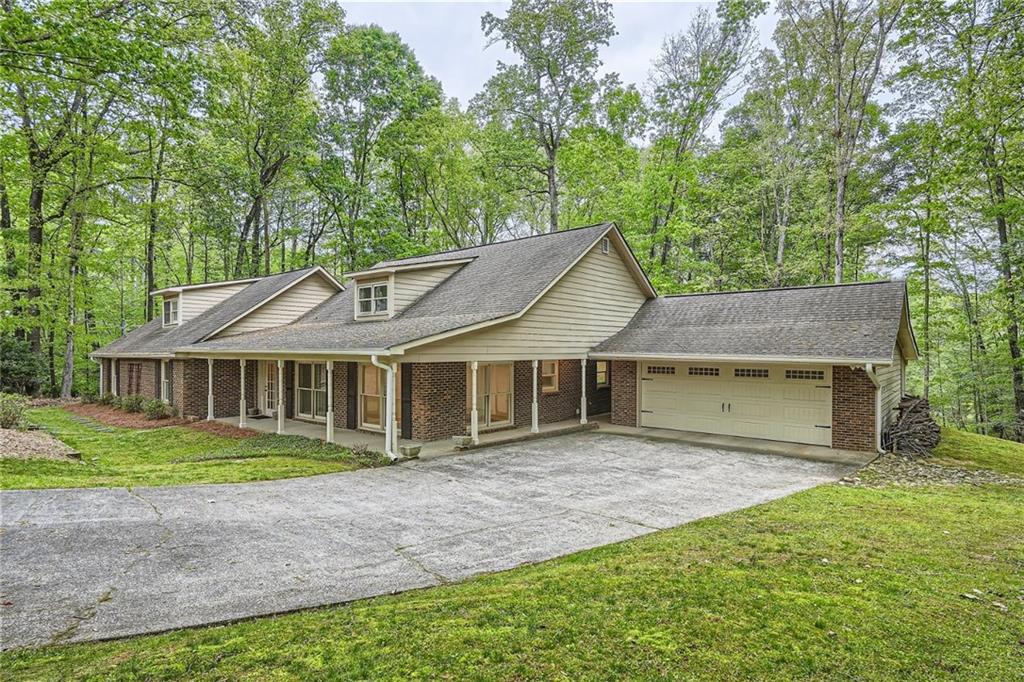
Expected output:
{"points": [[792, 404], [820, 365]]}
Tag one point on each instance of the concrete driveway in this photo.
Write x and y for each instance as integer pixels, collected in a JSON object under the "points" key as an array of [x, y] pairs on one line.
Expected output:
{"points": [[99, 563]]}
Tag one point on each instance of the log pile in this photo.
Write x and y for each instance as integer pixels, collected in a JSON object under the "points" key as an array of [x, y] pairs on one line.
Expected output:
{"points": [[914, 432]]}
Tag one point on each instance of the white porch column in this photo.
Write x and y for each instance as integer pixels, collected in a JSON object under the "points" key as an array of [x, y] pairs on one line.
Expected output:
{"points": [[535, 424], [583, 391], [241, 399], [390, 437], [209, 389], [280, 397], [474, 415], [163, 382], [393, 397], [101, 378], [113, 377], [330, 401]]}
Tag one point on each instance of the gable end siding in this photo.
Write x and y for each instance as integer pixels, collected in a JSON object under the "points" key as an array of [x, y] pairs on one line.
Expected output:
{"points": [[411, 285], [288, 307], [591, 302], [890, 380]]}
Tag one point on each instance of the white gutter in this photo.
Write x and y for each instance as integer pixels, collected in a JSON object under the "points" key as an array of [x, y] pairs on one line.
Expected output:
{"points": [[737, 358], [869, 369], [389, 425]]}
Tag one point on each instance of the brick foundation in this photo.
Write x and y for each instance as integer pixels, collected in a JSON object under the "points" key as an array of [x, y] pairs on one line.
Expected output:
{"points": [[853, 409], [624, 387]]}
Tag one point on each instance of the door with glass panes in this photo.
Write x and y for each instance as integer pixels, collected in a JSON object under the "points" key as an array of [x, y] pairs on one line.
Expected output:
{"points": [[493, 393], [311, 390]]}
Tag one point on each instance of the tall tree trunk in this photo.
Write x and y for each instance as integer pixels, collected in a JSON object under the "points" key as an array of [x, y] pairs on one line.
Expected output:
{"points": [[552, 194], [35, 261], [74, 249], [266, 237], [839, 221], [156, 170]]}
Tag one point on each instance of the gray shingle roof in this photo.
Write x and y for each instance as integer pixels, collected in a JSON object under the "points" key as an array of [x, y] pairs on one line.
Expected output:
{"points": [[153, 337], [502, 279], [849, 321]]}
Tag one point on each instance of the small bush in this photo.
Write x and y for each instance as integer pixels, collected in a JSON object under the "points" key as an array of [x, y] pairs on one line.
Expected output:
{"points": [[89, 397], [12, 410], [133, 403], [158, 409], [106, 399]]}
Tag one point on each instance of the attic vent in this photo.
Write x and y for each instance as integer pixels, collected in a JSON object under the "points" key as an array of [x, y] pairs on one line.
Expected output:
{"points": [[809, 374], [702, 371], [750, 373], [606, 245], [660, 369]]}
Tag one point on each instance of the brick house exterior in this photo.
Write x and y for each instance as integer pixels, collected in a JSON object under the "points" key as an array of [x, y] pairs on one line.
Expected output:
{"points": [[853, 409], [624, 393]]}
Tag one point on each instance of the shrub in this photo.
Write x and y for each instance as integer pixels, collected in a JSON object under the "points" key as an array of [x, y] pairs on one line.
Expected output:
{"points": [[158, 409], [133, 403], [20, 368], [12, 410], [89, 397], [106, 399]]}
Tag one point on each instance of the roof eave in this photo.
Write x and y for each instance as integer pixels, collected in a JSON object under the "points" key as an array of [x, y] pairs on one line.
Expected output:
{"points": [[683, 357]]}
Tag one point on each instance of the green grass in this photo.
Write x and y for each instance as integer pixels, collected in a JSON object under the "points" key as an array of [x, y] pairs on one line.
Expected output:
{"points": [[831, 583], [973, 451], [169, 456]]}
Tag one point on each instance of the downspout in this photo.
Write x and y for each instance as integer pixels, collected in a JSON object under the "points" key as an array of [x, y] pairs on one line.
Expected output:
{"points": [[389, 409], [869, 369]]}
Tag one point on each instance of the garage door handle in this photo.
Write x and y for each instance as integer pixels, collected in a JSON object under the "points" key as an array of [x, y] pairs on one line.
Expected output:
{"points": [[723, 407], [822, 426], [730, 407]]}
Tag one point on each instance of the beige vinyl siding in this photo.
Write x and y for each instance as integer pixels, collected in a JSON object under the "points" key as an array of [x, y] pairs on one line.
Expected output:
{"points": [[285, 308], [412, 284], [890, 380], [195, 301], [592, 301]]}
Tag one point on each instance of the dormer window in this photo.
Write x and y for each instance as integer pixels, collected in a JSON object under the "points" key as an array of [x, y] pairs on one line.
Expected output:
{"points": [[372, 299], [170, 312]]}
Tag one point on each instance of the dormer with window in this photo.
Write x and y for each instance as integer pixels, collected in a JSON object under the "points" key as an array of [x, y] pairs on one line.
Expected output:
{"points": [[170, 311], [373, 298], [383, 292]]}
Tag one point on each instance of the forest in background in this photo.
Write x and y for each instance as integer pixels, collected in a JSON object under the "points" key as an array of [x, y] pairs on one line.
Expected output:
{"points": [[149, 144]]}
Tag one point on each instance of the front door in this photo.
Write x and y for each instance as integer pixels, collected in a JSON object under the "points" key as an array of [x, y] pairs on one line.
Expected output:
{"points": [[494, 393], [268, 387], [373, 397], [311, 390]]}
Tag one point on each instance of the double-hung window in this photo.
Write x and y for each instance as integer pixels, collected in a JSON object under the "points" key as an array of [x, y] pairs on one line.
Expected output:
{"points": [[602, 373], [549, 376], [372, 299], [170, 312]]}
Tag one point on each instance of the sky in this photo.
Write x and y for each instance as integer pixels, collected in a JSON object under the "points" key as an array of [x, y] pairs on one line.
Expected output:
{"points": [[450, 46]]}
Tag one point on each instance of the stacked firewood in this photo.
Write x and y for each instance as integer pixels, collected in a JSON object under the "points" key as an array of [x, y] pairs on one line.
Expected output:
{"points": [[914, 432]]}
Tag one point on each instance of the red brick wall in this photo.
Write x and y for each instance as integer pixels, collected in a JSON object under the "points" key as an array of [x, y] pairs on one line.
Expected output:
{"points": [[853, 409], [136, 376], [340, 397], [624, 379], [438, 400], [105, 381]]}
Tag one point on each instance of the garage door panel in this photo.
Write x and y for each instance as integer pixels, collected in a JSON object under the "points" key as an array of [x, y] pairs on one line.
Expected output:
{"points": [[750, 401]]}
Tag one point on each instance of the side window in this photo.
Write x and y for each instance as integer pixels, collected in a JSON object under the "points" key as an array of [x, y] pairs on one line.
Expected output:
{"points": [[549, 376]]}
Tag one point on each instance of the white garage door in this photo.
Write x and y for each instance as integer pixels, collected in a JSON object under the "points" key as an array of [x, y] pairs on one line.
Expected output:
{"points": [[774, 402]]}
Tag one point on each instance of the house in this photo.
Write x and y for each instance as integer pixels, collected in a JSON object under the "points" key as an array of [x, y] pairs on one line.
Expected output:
{"points": [[521, 333]]}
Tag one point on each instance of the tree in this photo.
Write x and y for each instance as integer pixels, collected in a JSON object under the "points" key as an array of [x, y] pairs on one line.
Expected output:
{"points": [[848, 40], [550, 93]]}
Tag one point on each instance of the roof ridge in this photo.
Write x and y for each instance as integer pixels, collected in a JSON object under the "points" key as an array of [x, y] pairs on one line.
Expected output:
{"points": [[792, 288], [504, 241]]}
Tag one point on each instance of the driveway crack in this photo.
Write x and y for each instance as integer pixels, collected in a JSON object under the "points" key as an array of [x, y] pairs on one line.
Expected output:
{"points": [[440, 577]]}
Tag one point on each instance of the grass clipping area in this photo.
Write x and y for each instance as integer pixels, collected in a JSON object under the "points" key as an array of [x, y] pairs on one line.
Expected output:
{"points": [[835, 582], [170, 455]]}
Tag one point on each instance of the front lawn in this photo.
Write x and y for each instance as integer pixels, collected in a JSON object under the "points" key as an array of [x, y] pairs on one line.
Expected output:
{"points": [[837, 582], [170, 455], [970, 450]]}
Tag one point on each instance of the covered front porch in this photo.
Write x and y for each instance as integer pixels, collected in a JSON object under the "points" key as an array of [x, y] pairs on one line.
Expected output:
{"points": [[375, 441]]}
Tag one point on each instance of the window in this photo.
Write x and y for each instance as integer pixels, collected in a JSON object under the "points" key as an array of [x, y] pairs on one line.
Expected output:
{"points": [[170, 312], [311, 390], [606, 245], [372, 299], [661, 369], [750, 373], [602, 373], [702, 371], [165, 381], [549, 376], [808, 374]]}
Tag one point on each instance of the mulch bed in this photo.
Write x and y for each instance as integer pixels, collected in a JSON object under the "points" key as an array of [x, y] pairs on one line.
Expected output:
{"points": [[137, 420], [114, 417], [890, 469], [15, 444]]}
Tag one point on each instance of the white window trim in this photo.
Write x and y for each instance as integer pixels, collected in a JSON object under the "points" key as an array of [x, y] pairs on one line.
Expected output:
{"points": [[389, 282], [544, 389], [175, 305], [295, 380]]}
